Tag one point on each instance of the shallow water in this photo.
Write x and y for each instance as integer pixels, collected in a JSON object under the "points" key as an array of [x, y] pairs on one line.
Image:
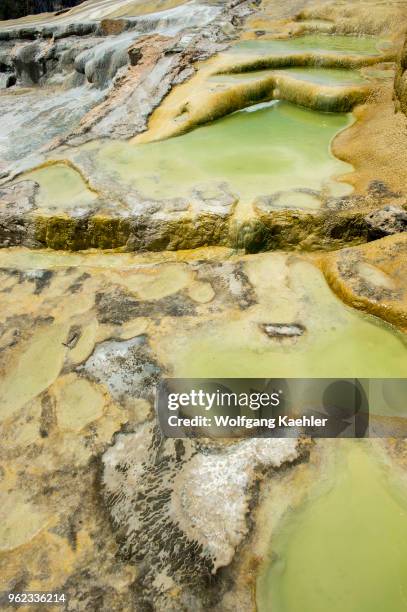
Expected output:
{"points": [[345, 350], [256, 151], [345, 548], [60, 187], [372, 72], [323, 76], [359, 45], [338, 342]]}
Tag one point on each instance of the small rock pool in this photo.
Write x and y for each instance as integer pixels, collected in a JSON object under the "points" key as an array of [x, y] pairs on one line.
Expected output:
{"points": [[256, 151], [345, 547]]}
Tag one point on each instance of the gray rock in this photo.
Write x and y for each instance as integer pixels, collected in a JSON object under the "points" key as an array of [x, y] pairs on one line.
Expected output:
{"points": [[180, 508], [290, 199], [101, 63], [7, 79], [127, 368], [216, 200], [29, 63], [283, 330], [16, 227], [386, 222], [18, 199]]}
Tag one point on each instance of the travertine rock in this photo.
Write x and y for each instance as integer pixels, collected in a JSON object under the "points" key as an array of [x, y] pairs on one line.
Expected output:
{"points": [[386, 221]]}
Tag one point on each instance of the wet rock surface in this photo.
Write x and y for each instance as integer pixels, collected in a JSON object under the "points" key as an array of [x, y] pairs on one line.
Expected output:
{"points": [[126, 367], [83, 342], [16, 202], [387, 221], [141, 69], [90, 372], [93, 65], [371, 277], [156, 492]]}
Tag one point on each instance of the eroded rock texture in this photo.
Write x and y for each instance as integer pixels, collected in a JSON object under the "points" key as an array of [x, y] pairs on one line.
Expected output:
{"points": [[120, 518], [121, 68], [181, 509], [372, 277]]}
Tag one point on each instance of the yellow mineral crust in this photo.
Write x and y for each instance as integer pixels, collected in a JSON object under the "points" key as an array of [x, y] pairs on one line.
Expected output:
{"points": [[372, 278]]}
